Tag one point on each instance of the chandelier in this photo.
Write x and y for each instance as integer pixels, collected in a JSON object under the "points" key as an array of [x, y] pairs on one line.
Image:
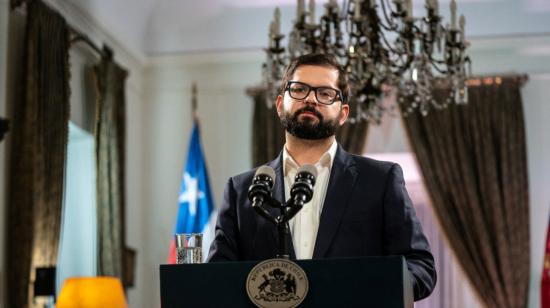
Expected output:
{"points": [[383, 47]]}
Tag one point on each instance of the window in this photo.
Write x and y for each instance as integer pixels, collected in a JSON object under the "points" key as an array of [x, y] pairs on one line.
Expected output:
{"points": [[77, 246]]}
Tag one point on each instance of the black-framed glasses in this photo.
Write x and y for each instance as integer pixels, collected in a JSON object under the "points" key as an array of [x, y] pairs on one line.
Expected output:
{"points": [[324, 95]]}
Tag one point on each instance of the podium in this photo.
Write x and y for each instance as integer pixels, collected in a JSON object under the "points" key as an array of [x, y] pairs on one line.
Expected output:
{"points": [[343, 282]]}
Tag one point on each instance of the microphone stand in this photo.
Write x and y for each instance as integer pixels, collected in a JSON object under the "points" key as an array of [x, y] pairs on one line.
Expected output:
{"points": [[284, 232], [281, 222]]}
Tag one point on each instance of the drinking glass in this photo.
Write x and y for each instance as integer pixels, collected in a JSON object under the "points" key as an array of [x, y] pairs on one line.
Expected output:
{"points": [[188, 248]]}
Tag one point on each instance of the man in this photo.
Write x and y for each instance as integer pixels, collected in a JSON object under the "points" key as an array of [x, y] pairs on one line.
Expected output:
{"points": [[359, 207]]}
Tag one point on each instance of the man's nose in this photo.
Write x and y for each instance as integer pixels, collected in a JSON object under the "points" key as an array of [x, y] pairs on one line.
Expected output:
{"points": [[311, 98]]}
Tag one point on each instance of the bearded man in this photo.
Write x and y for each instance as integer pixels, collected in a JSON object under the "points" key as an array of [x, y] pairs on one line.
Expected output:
{"points": [[360, 206]]}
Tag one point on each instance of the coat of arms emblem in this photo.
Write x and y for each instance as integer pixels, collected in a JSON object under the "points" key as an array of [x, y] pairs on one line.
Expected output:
{"points": [[277, 283]]}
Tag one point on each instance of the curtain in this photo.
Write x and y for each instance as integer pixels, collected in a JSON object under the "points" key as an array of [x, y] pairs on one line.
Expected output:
{"points": [[110, 154], [473, 160], [38, 152], [268, 136]]}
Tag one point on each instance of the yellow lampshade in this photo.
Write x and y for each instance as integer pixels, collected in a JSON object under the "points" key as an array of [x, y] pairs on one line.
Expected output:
{"points": [[92, 292]]}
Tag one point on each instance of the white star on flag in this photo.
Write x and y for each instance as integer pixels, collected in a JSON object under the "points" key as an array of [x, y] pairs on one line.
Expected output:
{"points": [[191, 194]]}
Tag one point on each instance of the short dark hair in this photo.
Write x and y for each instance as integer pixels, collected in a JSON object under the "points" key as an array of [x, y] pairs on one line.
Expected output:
{"points": [[318, 59]]}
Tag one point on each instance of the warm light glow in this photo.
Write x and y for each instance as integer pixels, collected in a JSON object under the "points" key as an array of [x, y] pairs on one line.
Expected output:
{"points": [[92, 292], [488, 81]]}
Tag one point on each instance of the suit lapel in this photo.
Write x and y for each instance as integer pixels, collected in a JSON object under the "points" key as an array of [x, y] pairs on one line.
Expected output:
{"points": [[342, 179], [278, 191], [279, 194]]}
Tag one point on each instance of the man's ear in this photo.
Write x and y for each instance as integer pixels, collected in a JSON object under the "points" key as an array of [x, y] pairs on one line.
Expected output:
{"points": [[279, 104], [344, 114]]}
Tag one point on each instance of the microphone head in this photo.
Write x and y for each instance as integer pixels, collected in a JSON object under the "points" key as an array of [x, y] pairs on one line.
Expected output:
{"points": [[308, 169], [266, 171], [302, 189]]}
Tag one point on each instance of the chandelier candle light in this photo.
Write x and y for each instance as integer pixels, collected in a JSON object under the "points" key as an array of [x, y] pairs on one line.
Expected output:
{"points": [[384, 46]]}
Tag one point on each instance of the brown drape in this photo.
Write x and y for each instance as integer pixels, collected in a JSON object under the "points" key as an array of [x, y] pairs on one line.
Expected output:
{"points": [[473, 158], [110, 155], [38, 153], [268, 136]]}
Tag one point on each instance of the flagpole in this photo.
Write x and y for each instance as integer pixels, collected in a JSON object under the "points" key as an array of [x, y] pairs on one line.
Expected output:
{"points": [[196, 210], [194, 102]]}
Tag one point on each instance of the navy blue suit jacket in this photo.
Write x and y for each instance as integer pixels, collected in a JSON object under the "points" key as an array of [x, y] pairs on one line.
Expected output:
{"points": [[367, 212]]}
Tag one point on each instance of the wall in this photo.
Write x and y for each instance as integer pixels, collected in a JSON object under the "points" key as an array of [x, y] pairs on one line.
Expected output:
{"points": [[537, 115]]}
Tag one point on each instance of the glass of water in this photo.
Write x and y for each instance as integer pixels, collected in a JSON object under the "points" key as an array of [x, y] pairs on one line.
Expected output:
{"points": [[188, 248]]}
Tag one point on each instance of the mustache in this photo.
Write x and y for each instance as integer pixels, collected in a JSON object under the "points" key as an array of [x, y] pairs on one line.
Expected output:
{"points": [[309, 109]]}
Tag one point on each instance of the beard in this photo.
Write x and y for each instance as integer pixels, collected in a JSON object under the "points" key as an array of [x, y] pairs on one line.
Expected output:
{"points": [[307, 128]]}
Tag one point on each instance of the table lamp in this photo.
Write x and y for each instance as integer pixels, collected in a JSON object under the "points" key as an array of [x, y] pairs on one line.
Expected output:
{"points": [[92, 292]]}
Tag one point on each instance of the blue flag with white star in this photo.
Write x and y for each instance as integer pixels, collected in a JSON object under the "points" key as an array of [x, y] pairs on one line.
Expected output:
{"points": [[196, 206]]}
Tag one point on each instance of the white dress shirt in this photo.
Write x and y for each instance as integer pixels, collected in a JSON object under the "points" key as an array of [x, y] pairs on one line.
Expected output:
{"points": [[305, 224]]}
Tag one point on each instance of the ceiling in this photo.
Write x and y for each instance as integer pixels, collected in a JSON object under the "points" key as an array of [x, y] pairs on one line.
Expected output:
{"points": [[157, 27]]}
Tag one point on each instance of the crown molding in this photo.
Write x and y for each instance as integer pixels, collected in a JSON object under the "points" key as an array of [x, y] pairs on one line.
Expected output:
{"points": [[509, 41], [85, 23], [241, 55]]}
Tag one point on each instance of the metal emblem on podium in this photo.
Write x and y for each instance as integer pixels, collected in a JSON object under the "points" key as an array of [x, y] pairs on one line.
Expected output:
{"points": [[277, 283]]}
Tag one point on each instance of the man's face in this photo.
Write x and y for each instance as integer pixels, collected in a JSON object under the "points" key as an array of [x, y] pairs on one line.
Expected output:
{"points": [[307, 118]]}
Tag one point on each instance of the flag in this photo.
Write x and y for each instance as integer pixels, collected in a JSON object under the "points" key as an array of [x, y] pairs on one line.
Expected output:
{"points": [[545, 283], [196, 211]]}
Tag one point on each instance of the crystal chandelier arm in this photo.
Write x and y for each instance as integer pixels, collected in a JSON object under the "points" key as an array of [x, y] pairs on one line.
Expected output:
{"points": [[345, 9], [469, 62], [392, 26], [406, 66], [400, 62], [348, 21], [439, 64], [436, 61], [389, 47], [338, 33], [435, 65], [452, 67]]}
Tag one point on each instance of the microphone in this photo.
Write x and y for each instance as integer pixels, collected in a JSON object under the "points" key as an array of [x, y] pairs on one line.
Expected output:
{"points": [[301, 191], [260, 190]]}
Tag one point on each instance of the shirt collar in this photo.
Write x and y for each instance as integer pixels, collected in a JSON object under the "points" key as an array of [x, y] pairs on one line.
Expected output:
{"points": [[326, 160]]}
